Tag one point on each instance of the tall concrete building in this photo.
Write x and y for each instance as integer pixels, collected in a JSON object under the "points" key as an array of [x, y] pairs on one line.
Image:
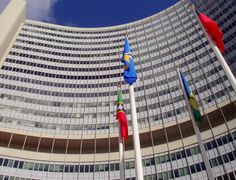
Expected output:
{"points": [[224, 13], [58, 91]]}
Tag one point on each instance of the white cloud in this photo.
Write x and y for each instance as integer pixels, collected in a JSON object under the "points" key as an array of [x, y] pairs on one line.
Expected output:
{"points": [[41, 10]]}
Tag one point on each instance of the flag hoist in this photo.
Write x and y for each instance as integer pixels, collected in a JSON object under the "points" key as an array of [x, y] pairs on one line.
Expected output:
{"points": [[195, 116], [130, 77]]}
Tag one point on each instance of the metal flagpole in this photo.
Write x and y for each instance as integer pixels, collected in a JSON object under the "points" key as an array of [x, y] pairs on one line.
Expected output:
{"points": [[196, 129], [224, 65], [138, 159], [121, 150]]}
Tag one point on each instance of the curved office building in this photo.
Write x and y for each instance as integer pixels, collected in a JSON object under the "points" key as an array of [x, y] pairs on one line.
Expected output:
{"points": [[58, 92]]}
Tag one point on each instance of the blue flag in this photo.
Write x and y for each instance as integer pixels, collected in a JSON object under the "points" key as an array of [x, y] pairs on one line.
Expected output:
{"points": [[130, 75]]}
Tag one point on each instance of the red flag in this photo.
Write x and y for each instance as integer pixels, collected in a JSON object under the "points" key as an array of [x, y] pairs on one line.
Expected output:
{"points": [[123, 124], [121, 117], [213, 30]]}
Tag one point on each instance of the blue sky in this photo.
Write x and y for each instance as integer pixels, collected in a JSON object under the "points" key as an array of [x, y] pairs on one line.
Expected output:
{"points": [[92, 13]]}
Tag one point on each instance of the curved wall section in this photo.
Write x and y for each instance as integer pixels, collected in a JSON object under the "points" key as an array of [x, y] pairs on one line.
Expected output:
{"points": [[58, 96]]}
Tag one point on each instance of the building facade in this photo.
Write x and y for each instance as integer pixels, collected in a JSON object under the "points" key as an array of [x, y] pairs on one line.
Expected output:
{"points": [[58, 91], [224, 12]]}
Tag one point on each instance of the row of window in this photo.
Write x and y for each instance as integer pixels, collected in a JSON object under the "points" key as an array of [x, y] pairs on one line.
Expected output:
{"points": [[112, 93], [140, 88], [55, 60], [72, 36], [109, 61], [87, 128], [60, 104], [55, 93], [71, 128], [117, 47], [60, 76], [22, 34], [66, 85], [61, 68], [159, 49], [66, 54], [6, 177], [84, 32], [162, 176], [130, 165], [198, 167]]}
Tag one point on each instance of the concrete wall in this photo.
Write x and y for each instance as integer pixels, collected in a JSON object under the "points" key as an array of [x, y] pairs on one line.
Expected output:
{"points": [[11, 20]]}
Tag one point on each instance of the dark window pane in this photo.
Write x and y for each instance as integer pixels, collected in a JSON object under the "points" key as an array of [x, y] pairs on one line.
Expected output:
{"points": [[192, 168], [1, 160], [5, 162], [198, 167], [86, 168], [176, 172], [188, 152], [91, 168], [81, 168], [203, 166], [15, 164], [46, 167], [76, 168], [117, 166], [112, 167], [225, 158], [231, 157], [71, 168]]}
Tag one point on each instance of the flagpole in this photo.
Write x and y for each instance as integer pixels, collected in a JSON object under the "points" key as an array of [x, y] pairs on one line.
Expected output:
{"points": [[197, 132], [138, 159], [224, 65], [218, 54], [121, 150]]}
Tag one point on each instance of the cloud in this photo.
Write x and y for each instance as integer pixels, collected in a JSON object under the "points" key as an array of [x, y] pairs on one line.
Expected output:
{"points": [[41, 10]]}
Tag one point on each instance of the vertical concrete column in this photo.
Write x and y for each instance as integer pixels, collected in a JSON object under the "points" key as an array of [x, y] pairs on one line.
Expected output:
{"points": [[10, 20]]}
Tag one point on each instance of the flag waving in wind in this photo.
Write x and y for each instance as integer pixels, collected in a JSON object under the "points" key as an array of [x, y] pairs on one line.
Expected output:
{"points": [[130, 75], [213, 30], [192, 100], [121, 117]]}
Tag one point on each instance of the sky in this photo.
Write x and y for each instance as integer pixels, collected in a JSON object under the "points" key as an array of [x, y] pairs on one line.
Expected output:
{"points": [[92, 13]]}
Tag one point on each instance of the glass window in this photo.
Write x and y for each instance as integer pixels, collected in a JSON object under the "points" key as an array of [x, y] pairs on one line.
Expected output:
{"points": [[81, 168], [91, 168], [26, 165], [10, 163], [31, 166], [56, 168], [96, 168], [192, 168], [15, 164], [176, 172], [101, 167]]}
